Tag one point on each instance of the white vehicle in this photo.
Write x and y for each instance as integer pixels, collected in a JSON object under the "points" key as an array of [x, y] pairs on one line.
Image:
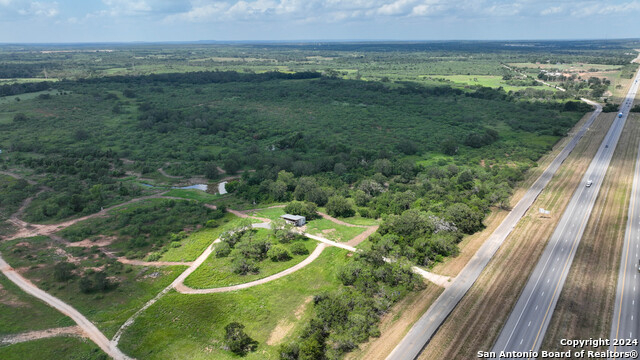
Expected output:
{"points": [[589, 182]]}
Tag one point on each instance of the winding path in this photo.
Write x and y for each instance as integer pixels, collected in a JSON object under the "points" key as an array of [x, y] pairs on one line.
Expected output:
{"points": [[183, 289], [87, 326]]}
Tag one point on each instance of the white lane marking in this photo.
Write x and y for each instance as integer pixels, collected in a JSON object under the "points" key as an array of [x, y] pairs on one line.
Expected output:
{"points": [[521, 341], [548, 280], [536, 307], [542, 293]]}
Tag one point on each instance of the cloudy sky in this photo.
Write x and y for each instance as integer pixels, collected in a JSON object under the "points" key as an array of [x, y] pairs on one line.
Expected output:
{"points": [[187, 20]]}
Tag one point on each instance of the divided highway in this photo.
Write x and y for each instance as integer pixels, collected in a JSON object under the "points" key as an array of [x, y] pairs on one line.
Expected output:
{"points": [[528, 322], [626, 312], [422, 331]]}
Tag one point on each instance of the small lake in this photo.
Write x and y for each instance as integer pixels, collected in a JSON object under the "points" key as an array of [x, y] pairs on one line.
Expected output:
{"points": [[221, 188], [202, 187]]}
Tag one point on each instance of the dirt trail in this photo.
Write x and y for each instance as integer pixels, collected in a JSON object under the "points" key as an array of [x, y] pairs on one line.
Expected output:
{"points": [[339, 222], [152, 263], [243, 214], [87, 326], [363, 236], [164, 173], [16, 176], [41, 334], [183, 289]]}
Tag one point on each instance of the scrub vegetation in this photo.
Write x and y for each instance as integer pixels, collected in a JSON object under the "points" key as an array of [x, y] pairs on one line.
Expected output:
{"points": [[422, 139]]}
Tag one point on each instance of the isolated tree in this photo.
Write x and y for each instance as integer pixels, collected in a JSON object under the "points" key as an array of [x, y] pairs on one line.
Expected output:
{"points": [[237, 340]]}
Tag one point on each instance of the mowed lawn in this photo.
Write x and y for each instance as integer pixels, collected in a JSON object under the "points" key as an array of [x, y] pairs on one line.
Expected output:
{"points": [[191, 247], [192, 326], [332, 231], [218, 272]]}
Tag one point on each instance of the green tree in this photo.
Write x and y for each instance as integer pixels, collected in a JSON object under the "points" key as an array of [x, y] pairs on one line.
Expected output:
{"points": [[237, 340], [339, 206]]}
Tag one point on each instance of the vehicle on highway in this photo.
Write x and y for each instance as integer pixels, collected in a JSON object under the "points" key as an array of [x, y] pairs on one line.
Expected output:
{"points": [[589, 183], [620, 115], [639, 265], [606, 146]]}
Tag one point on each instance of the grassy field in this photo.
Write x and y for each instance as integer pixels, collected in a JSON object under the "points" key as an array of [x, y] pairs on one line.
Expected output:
{"points": [[218, 272], [35, 259], [591, 284], [332, 231], [476, 322], [192, 326], [192, 194], [20, 312], [268, 213], [192, 246], [53, 349], [484, 80]]}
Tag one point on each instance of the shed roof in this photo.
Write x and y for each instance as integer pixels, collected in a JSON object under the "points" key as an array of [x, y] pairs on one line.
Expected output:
{"points": [[292, 217]]}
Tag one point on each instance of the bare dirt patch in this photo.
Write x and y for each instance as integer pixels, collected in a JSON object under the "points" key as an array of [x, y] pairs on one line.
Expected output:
{"points": [[284, 327], [41, 334], [102, 241]]}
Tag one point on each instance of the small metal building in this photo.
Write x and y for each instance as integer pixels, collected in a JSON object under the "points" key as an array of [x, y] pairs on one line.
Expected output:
{"points": [[296, 220]]}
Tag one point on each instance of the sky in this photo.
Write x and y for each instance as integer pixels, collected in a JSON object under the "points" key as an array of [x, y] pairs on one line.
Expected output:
{"points": [[64, 21]]}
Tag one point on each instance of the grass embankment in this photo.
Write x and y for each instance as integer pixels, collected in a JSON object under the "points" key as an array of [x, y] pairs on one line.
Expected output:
{"points": [[36, 257], [477, 320], [53, 349], [218, 272], [192, 326], [332, 231], [20, 312], [585, 306]]}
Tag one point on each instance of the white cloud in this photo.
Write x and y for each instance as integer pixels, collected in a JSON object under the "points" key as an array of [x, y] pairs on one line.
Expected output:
{"points": [[601, 8], [552, 10], [126, 7], [40, 9]]}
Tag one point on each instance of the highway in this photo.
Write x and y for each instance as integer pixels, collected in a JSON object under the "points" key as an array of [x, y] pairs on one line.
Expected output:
{"points": [[528, 322], [626, 312], [422, 331]]}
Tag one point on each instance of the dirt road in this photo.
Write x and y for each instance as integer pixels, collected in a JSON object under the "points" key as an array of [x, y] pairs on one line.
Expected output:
{"points": [[87, 326]]}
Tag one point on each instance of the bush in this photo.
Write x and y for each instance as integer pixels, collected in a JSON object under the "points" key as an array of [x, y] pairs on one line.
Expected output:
{"points": [[62, 271], [339, 206], [298, 248], [237, 340], [244, 266], [222, 249], [278, 253], [303, 208]]}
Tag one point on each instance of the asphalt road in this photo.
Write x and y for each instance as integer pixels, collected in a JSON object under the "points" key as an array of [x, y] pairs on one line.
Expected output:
{"points": [[626, 312], [422, 331], [528, 322]]}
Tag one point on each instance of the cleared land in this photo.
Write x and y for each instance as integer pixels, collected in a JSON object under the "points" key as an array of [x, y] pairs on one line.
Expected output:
{"points": [[591, 284], [192, 326], [478, 318]]}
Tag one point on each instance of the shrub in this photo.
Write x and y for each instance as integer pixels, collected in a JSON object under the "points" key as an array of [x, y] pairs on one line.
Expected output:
{"points": [[298, 248], [339, 206], [302, 208], [63, 271], [222, 249], [278, 253], [244, 266], [237, 340]]}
